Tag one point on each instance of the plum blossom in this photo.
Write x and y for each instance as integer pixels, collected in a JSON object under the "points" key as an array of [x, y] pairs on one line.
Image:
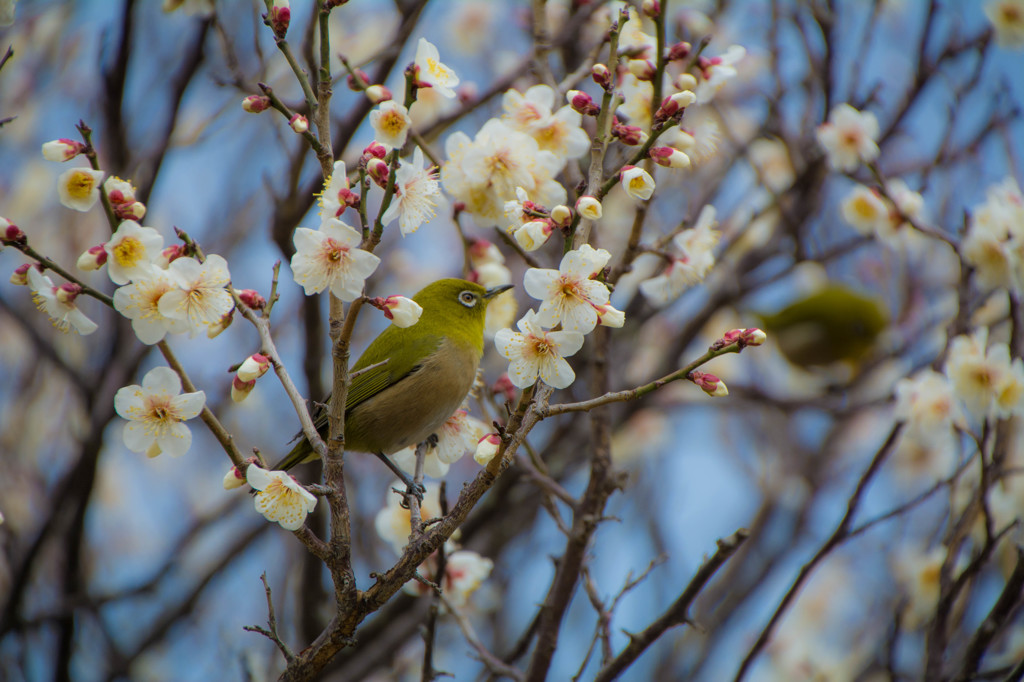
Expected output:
{"points": [[79, 188], [329, 258], [848, 138], [59, 302], [391, 123], [140, 303], [568, 295], [416, 194], [131, 249], [695, 260], [558, 132], [200, 296], [431, 72], [279, 497], [457, 436], [535, 352], [156, 411]]}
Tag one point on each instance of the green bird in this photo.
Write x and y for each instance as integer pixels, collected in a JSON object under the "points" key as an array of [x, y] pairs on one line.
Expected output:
{"points": [[831, 325], [418, 376]]}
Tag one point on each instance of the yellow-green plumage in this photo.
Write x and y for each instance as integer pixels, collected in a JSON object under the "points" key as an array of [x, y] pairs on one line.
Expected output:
{"points": [[831, 325], [427, 371]]}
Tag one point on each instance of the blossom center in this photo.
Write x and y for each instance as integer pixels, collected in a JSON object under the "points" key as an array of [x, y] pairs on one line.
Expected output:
{"points": [[128, 252], [333, 251], [80, 185]]}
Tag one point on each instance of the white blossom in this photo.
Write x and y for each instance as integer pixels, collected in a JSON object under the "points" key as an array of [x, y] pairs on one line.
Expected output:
{"points": [[416, 194], [156, 411], [329, 258], [849, 138], [279, 497], [535, 352], [200, 296], [140, 303], [130, 250], [568, 295], [59, 303], [79, 188], [430, 71]]}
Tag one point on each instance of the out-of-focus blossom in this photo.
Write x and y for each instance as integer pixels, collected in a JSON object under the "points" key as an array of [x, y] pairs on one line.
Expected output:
{"points": [[717, 71], [486, 449], [59, 302], [79, 188], [917, 574], [156, 411], [771, 159], [985, 379], [457, 436], [849, 138], [994, 243], [558, 132], [1007, 17], [696, 258], [392, 523]]}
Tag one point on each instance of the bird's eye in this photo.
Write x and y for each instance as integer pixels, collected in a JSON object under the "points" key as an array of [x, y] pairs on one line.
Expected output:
{"points": [[467, 298]]}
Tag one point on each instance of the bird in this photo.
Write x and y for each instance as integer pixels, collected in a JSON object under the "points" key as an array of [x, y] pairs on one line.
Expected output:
{"points": [[412, 378], [833, 324]]}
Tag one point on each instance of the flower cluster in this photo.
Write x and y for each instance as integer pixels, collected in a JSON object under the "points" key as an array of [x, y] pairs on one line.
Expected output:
{"points": [[695, 259], [994, 243]]}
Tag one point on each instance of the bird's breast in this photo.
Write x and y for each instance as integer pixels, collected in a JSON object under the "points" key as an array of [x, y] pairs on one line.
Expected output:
{"points": [[416, 406]]}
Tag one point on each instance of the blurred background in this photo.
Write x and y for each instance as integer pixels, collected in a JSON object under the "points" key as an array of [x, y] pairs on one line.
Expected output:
{"points": [[114, 566]]}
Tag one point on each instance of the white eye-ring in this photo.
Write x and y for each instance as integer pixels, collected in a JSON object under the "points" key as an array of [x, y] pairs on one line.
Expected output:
{"points": [[467, 298]]}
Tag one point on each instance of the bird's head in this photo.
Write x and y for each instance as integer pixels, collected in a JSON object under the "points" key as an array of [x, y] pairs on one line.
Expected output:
{"points": [[458, 306]]}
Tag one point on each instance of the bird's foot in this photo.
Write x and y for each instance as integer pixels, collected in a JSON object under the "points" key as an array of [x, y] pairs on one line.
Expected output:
{"points": [[411, 487]]}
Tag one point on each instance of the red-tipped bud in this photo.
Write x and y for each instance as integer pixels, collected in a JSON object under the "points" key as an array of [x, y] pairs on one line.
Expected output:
{"points": [[12, 233], [67, 293], [561, 215], [505, 387], [62, 149], [482, 252], [20, 274], [601, 75], [378, 93], [669, 157], [170, 254], [131, 210], [255, 104], [93, 259], [630, 135], [582, 103], [651, 8], [252, 299], [709, 383], [467, 93], [280, 17], [253, 367], [486, 449], [240, 390], [680, 50], [375, 150], [378, 171], [643, 69], [357, 82], [742, 337], [299, 123]]}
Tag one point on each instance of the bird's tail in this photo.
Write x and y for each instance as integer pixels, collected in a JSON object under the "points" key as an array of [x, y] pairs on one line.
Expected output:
{"points": [[302, 452]]}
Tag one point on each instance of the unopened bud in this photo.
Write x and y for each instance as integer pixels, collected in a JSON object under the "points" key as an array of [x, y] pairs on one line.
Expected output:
{"points": [[374, 150], [299, 123], [169, 255], [253, 367], [743, 337], [240, 390], [589, 207], [601, 75], [505, 387], [378, 171], [561, 215], [680, 50], [93, 259], [255, 104], [280, 17], [686, 81], [233, 478], [358, 81], [20, 274], [252, 299], [630, 135], [669, 157], [67, 293], [651, 8], [402, 311], [609, 316], [534, 234], [486, 449], [643, 69], [62, 149], [214, 330], [132, 210], [709, 383], [12, 233], [482, 252], [582, 103], [467, 92], [378, 93]]}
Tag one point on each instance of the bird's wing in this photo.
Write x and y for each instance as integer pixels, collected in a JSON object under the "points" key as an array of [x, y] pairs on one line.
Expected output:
{"points": [[400, 352]]}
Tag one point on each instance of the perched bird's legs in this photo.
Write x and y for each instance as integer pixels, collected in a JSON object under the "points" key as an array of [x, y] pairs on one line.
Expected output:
{"points": [[411, 488]]}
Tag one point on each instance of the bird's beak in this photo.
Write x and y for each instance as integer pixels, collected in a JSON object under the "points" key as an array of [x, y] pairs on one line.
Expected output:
{"points": [[491, 293]]}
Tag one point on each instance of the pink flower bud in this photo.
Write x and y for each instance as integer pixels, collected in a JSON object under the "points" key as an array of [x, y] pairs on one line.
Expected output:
{"points": [[669, 157], [214, 330], [67, 293], [743, 337], [233, 478], [651, 8], [561, 215], [356, 83], [299, 123], [378, 171], [505, 387], [280, 17], [467, 92], [240, 390], [630, 135], [170, 254], [132, 210], [375, 150], [482, 252], [253, 367], [643, 69], [589, 207], [20, 274], [255, 104], [93, 259], [582, 103], [62, 149], [534, 234], [486, 449], [709, 383], [680, 50], [12, 233], [378, 93], [252, 299], [402, 311], [601, 75]]}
